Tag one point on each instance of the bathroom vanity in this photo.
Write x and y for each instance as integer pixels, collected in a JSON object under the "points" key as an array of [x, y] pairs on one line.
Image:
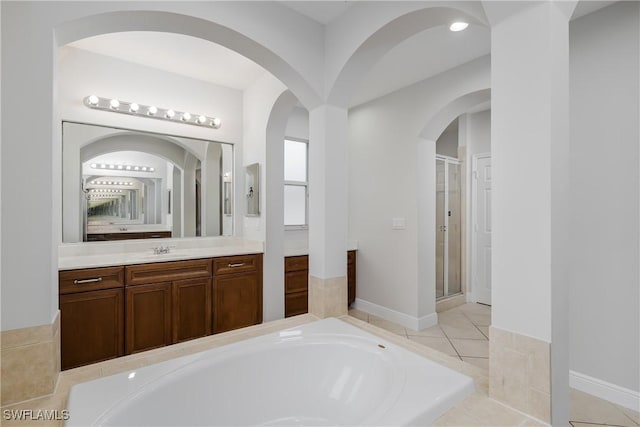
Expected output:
{"points": [[152, 300]]}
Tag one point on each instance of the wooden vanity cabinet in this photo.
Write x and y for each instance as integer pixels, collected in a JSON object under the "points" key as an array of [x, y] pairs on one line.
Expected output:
{"points": [[237, 292], [91, 303], [166, 303], [296, 283], [351, 277]]}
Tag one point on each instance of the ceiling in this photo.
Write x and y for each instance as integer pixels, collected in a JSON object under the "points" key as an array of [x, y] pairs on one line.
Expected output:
{"points": [[417, 58], [322, 12]]}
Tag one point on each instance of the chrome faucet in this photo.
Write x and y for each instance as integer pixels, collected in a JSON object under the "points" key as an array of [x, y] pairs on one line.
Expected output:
{"points": [[159, 250]]}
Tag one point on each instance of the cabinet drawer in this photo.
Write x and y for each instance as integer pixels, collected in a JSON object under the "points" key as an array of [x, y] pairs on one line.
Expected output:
{"points": [[167, 271], [90, 279], [296, 303], [296, 263], [296, 281], [235, 264]]}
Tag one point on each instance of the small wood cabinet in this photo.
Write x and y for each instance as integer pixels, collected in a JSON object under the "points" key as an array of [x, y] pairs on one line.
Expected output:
{"points": [[296, 283], [108, 312], [237, 289], [91, 315]]}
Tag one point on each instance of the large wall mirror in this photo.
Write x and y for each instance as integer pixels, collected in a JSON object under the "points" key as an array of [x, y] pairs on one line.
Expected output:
{"points": [[124, 184]]}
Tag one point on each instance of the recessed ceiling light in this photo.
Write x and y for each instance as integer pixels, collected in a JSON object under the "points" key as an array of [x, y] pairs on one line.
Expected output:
{"points": [[458, 26]]}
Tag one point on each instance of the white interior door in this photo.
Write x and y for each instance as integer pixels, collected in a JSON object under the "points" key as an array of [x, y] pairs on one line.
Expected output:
{"points": [[481, 264]]}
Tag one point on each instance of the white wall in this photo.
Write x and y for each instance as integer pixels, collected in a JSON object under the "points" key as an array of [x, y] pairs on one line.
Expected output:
{"points": [[604, 188], [447, 144], [383, 184], [81, 73]]}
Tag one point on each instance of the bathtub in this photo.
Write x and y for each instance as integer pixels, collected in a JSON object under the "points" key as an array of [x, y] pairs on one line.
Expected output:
{"points": [[323, 373]]}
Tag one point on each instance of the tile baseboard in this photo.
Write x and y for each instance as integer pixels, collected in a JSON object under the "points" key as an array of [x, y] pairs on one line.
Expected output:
{"points": [[411, 322]]}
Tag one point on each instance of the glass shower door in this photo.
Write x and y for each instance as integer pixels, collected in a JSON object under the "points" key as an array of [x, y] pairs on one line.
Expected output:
{"points": [[448, 227], [440, 225]]}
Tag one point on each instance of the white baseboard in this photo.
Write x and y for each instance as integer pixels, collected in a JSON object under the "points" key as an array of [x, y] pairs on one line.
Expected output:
{"points": [[411, 322], [613, 393]]}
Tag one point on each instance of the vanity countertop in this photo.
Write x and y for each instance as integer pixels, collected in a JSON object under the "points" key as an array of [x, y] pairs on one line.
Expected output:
{"points": [[72, 256], [300, 247]]}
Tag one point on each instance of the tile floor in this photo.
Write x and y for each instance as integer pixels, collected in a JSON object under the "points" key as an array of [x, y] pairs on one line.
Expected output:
{"points": [[463, 333]]}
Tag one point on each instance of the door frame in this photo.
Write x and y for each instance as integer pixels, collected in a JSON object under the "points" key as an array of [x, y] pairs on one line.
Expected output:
{"points": [[472, 289]]}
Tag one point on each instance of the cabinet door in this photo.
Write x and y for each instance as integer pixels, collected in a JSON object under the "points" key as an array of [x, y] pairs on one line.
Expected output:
{"points": [[91, 327], [148, 317], [191, 309], [237, 301], [351, 277]]}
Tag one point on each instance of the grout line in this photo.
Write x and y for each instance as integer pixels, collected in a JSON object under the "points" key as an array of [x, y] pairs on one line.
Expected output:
{"points": [[595, 424], [454, 347], [628, 416]]}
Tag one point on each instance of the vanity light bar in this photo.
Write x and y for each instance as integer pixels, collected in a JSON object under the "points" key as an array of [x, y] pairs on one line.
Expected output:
{"points": [[150, 111], [104, 190], [134, 168], [111, 183]]}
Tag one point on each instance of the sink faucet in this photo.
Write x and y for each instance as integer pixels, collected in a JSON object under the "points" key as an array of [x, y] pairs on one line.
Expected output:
{"points": [[159, 250]]}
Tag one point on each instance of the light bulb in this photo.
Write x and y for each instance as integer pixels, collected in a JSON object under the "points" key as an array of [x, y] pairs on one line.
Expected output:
{"points": [[458, 26], [186, 117], [216, 123], [202, 119], [103, 166], [93, 165], [152, 111], [170, 114], [93, 100], [144, 168], [111, 167], [151, 169], [120, 167], [128, 168], [114, 104], [134, 107], [136, 168]]}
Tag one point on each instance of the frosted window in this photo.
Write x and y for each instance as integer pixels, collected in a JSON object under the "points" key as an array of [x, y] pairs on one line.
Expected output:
{"points": [[295, 205], [295, 161]]}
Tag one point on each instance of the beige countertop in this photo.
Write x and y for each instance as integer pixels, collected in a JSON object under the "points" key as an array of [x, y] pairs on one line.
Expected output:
{"points": [[73, 256]]}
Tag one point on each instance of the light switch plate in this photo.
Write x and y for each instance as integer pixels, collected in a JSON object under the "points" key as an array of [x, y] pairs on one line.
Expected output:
{"points": [[398, 224]]}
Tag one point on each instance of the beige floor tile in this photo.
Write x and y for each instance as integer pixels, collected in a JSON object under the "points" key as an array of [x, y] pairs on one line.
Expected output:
{"points": [[480, 319], [471, 348], [456, 417], [452, 318], [491, 413], [386, 325], [359, 314], [585, 408], [635, 416], [473, 307], [577, 424], [440, 344], [484, 330], [482, 362], [462, 331], [434, 331]]}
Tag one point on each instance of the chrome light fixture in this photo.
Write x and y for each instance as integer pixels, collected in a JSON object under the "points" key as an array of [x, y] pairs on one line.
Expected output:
{"points": [[150, 111]]}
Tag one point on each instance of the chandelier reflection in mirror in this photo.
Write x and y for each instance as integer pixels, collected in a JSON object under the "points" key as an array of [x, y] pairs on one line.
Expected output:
{"points": [[151, 111]]}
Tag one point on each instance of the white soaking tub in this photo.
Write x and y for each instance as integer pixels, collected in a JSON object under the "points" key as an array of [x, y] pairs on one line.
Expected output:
{"points": [[322, 373]]}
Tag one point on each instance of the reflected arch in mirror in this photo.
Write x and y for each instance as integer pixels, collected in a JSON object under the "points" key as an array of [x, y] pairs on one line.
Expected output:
{"points": [[84, 145]]}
